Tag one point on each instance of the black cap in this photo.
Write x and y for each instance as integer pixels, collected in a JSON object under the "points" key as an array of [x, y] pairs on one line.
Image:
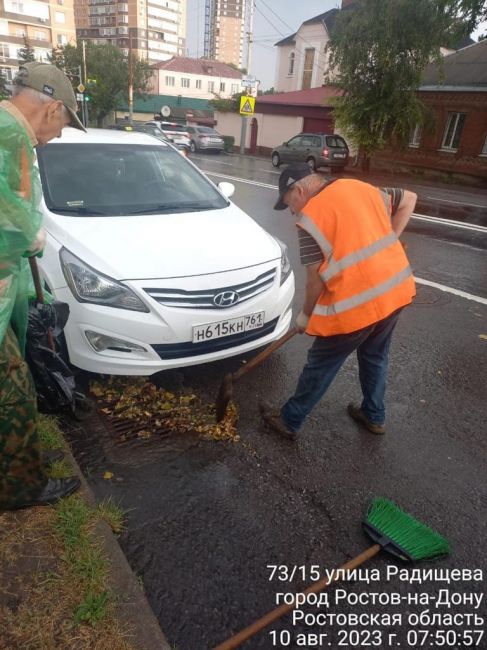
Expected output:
{"points": [[289, 176]]}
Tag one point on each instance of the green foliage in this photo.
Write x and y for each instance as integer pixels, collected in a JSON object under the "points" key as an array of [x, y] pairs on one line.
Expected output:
{"points": [[109, 68], [380, 49], [227, 105], [269, 91], [93, 608], [4, 93], [228, 142], [57, 58], [26, 54]]}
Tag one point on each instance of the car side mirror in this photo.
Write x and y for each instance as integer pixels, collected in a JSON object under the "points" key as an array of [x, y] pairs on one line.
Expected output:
{"points": [[285, 144], [227, 189]]}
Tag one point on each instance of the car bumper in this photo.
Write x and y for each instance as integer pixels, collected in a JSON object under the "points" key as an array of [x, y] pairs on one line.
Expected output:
{"points": [[213, 146], [162, 338], [332, 162]]}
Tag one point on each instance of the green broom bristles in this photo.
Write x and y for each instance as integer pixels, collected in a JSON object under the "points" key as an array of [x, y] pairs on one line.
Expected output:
{"points": [[420, 541]]}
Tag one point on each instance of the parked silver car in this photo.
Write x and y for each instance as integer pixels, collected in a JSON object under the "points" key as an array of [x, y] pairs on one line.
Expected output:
{"points": [[317, 149], [204, 138]]}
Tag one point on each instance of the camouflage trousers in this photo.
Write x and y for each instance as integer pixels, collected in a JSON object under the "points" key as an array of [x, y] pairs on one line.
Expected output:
{"points": [[21, 471]]}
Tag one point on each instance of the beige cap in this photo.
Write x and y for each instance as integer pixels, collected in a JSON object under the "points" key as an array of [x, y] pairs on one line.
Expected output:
{"points": [[50, 81]]}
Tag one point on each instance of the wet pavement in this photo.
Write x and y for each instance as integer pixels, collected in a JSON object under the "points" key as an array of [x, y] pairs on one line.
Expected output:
{"points": [[206, 518]]}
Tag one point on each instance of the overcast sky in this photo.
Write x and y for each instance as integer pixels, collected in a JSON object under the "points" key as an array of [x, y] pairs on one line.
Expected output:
{"points": [[273, 20]]}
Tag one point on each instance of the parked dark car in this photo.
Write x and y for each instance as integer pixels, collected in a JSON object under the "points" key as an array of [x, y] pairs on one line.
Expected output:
{"points": [[317, 149], [204, 138]]}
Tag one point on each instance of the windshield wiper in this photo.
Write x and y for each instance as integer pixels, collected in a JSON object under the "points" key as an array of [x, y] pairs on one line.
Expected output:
{"points": [[176, 207], [79, 209]]}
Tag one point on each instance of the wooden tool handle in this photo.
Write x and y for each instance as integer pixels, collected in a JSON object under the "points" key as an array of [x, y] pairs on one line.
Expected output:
{"points": [[272, 616], [264, 354]]}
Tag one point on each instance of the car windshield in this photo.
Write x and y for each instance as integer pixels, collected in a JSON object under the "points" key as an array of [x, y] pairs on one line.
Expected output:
{"points": [[207, 129], [122, 179]]}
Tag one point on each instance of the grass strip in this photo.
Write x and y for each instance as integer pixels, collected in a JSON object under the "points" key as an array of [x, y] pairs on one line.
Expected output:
{"points": [[54, 577]]}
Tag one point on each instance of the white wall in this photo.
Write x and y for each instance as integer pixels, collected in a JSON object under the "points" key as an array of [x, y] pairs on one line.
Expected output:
{"points": [[308, 36], [273, 129], [192, 91]]}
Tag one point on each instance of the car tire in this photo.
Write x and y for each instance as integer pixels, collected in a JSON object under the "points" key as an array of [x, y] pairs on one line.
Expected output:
{"points": [[311, 162], [276, 161], [192, 147]]}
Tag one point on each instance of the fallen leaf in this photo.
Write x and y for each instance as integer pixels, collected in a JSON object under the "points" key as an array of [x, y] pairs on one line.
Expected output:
{"points": [[108, 475], [482, 336]]}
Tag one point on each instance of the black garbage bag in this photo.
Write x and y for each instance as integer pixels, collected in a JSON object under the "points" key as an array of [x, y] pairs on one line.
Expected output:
{"points": [[54, 380]]}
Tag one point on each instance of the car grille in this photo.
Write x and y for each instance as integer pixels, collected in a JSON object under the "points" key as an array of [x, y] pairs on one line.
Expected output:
{"points": [[204, 299], [189, 349]]}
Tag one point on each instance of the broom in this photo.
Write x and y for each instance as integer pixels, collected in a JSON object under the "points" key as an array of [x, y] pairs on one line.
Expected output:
{"points": [[392, 530]]}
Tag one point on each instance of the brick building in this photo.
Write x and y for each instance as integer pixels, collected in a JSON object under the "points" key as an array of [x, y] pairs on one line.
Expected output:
{"points": [[456, 91]]}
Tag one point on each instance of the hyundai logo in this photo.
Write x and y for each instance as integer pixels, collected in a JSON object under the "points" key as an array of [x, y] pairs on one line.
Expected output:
{"points": [[226, 299]]}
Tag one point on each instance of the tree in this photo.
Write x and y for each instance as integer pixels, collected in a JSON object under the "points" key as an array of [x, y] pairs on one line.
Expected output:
{"points": [[26, 54], [108, 69], [4, 93], [378, 51], [231, 105], [57, 57]]}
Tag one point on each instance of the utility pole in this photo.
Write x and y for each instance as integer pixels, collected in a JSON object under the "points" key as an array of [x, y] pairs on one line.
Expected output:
{"points": [[85, 103], [243, 131], [131, 80]]}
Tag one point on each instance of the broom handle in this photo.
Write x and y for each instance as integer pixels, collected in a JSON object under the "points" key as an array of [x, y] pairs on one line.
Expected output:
{"points": [[272, 616], [264, 354]]}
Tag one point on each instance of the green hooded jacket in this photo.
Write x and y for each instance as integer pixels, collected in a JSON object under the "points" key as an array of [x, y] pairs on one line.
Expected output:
{"points": [[20, 221]]}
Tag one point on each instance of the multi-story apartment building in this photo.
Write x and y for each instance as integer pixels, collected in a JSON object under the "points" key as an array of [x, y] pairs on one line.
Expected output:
{"points": [[45, 24], [225, 30], [153, 29]]}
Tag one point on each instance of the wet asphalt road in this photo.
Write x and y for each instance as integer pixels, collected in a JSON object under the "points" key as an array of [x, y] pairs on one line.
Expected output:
{"points": [[205, 518]]}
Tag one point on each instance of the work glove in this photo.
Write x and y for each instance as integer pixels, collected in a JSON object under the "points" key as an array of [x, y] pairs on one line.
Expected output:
{"points": [[301, 322], [37, 245]]}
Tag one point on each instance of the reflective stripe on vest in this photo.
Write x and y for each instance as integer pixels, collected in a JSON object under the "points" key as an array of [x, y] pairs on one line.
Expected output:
{"points": [[335, 267], [365, 296]]}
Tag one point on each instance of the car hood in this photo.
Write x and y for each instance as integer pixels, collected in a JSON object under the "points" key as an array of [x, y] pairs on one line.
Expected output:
{"points": [[165, 245]]}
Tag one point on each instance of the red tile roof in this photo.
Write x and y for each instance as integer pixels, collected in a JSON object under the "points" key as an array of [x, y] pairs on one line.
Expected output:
{"points": [[311, 97], [198, 66]]}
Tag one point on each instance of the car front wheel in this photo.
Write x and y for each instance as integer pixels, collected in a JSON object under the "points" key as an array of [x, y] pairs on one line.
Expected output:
{"points": [[192, 146], [276, 161]]}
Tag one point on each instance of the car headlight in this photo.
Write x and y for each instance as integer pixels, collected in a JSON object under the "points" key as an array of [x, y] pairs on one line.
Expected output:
{"points": [[285, 263], [88, 285]]}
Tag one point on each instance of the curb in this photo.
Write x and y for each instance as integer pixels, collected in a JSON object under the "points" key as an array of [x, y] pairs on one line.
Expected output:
{"points": [[132, 607]]}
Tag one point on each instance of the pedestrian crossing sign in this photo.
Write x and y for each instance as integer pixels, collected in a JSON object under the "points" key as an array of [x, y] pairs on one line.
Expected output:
{"points": [[247, 105]]}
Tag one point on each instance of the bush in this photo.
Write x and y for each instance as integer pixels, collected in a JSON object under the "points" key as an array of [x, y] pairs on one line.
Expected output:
{"points": [[228, 141]]}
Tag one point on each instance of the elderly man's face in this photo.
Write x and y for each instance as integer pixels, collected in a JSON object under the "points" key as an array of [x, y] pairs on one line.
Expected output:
{"points": [[53, 122], [296, 198]]}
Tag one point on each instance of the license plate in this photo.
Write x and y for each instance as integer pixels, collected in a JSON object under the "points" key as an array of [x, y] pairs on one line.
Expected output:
{"points": [[228, 327], [339, 155]]}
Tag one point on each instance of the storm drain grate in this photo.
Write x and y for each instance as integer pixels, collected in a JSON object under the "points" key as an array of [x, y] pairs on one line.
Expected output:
{"points": [[123, 429]]}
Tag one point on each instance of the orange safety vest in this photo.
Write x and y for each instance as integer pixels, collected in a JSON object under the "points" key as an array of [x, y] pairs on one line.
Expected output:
{"points": [[366, 274]]}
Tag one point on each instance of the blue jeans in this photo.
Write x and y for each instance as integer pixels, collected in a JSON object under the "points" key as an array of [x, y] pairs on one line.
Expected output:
{"points": [[325, 358]]}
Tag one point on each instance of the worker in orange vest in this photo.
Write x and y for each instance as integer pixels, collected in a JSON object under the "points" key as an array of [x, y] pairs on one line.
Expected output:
{"points": [[358, 281]]}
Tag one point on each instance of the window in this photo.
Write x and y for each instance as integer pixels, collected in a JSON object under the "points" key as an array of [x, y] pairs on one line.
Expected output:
{"points": [[198, 84], [484, 148], [415, 138], [222, 86], [40, 36], [307, 141], [62, 39], [169, 81], [4, 51], [184, 82], [453, 131], [309, 58], [211, 86], [291, 63], [7, 73], [234, 89], [20, 32], [60, 17]]}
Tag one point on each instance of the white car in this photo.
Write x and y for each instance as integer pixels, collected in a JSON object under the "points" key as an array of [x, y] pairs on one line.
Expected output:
{"points": [[176, 133], [159, 268]]}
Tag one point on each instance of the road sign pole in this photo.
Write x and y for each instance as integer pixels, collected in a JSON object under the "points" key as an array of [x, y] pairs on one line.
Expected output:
{"points": [[243, 133]]}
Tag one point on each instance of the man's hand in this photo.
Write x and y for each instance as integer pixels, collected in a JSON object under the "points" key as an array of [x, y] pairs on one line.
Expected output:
{"points": [[301, 322], [38, 244]]}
